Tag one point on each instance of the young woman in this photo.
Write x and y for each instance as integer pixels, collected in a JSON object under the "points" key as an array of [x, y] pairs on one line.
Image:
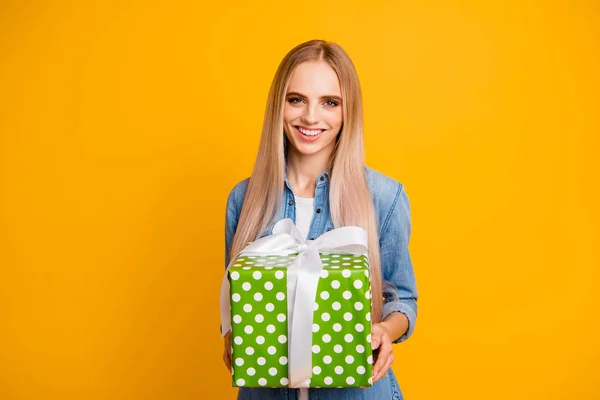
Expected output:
{"points": [[310, 168]]}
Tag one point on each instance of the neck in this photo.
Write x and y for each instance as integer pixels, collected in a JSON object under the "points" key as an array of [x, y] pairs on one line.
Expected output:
{"points": [[303, 170]]}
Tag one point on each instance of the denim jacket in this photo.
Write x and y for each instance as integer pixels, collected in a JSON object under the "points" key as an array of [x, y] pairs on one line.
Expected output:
{"points": [[393, 215]]}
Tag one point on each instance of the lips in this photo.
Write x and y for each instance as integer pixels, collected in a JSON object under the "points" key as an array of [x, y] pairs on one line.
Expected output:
{"points": [[310, 132], [308, 138]]}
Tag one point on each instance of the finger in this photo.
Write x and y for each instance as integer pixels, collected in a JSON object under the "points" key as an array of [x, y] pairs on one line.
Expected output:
{"points": [[375, 342], [381, 361], [385, 352], [383, 370], [386, 367], [227, 356], [227, 360]]}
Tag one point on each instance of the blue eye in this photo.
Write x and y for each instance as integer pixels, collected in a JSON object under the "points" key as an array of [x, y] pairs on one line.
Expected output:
{"points": [[296, 100]]}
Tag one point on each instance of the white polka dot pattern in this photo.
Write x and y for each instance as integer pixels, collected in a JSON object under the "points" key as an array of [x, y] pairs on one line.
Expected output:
{"points": [[342, 355]]}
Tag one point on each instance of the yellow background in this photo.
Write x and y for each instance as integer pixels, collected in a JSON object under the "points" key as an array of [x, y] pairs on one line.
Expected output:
{"points": [[125, 124]]}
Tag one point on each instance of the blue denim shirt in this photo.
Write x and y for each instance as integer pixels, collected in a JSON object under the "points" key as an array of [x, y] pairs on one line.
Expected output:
{"points": [[393, 214]]}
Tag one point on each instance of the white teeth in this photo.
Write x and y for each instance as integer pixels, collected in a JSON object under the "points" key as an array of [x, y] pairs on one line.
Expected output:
{"points": [[310, 133]]}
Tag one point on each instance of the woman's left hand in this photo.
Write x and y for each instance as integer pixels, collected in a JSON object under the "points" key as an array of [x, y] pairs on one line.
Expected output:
{"points": [[381, 340]]}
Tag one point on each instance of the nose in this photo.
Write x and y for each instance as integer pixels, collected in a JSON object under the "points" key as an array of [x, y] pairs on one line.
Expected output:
{"points": [[311, 115]]}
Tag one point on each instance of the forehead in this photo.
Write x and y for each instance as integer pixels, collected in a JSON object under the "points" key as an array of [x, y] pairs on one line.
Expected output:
{"points": [[314, 78]]}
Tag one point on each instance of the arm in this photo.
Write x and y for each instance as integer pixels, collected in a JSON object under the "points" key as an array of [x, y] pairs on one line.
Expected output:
{"points": [[399, 290], [395, 325], [399, 287], [231, 220]]}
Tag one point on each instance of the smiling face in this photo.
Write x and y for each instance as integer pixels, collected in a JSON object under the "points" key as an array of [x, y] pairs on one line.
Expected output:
{"points": [[312, 115]]}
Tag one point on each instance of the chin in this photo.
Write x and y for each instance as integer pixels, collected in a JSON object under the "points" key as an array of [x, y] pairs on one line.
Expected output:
{"points": [[307, 150]]}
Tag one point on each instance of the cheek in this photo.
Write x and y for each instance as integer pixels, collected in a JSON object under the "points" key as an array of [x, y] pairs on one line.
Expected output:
{"points": [[336, 120], [289, 114]]}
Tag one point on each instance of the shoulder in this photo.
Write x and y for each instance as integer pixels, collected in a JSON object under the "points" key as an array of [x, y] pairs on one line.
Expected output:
{"points": [[380, 183], [235, 199], [389, 198]]}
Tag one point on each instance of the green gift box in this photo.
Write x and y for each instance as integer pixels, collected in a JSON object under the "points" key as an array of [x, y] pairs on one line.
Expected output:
{"points": [[341, 331]]}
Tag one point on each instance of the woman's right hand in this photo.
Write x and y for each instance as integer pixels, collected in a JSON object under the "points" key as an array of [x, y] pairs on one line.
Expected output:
{"points": [[227, 350]]}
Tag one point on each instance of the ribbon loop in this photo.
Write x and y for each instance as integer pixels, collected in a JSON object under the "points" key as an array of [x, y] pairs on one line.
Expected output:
{"points": [[303, 278]]}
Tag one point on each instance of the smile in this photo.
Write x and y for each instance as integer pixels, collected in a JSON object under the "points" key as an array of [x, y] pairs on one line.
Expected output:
{"points": [[310, 132]]}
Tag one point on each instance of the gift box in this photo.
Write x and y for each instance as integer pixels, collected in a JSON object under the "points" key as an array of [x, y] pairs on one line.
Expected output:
{"points": [[340, 352]]}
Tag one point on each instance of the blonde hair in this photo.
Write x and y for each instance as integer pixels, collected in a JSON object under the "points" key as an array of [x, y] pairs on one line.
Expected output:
{"points": [[350, 198]]}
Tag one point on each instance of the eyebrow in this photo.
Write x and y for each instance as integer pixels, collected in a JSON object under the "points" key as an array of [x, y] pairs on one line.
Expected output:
{"points": [[338, 98]]}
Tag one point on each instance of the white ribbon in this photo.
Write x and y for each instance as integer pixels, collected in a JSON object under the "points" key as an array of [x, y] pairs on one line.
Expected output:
{"points": [[303, 278]]}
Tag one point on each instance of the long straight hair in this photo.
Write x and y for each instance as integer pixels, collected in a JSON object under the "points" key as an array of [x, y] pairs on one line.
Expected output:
{"points": [[350, 198]]}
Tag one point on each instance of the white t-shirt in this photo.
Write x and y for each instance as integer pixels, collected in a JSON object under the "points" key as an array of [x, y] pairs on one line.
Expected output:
{"points": [[304, 214]]}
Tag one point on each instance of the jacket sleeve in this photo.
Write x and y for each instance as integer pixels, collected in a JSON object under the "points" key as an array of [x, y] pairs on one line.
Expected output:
{"points": [[231, 220], [399, 286]]}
